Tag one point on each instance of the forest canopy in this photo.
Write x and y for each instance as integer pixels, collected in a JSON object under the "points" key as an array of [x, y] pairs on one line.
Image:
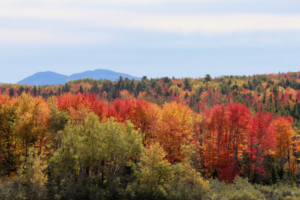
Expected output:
{"points": [[230, 137]]}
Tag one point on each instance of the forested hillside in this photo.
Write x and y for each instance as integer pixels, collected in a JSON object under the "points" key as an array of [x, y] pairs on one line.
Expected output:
{"points": [[231, 137], [276, 93]]}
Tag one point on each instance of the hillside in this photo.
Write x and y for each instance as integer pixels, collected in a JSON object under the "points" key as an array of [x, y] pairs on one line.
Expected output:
{"points": [[277, 93]]}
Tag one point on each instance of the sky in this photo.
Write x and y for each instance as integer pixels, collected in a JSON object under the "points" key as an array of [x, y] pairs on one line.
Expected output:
{"points": [[156, 38]]}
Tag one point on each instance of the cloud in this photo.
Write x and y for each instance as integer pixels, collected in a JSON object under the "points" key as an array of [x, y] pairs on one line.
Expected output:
{"points": [[62, 21], [206, 24], [218, 23], [9, 35], [40, 36]]}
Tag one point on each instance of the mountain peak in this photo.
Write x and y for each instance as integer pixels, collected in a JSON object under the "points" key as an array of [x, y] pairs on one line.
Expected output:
{"points": [[52, 78]]}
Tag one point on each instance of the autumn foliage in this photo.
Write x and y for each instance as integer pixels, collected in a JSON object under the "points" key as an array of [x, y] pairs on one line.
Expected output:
{"points": [[222, 140]]}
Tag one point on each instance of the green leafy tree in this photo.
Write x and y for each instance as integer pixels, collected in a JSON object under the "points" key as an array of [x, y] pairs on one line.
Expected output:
{"points": [[32, 175], [188, 184], [94, 151], [155, 172]]}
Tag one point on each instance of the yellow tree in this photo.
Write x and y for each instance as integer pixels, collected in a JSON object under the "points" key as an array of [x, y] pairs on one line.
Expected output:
{"points": [[286, 140], [8, 142], [200, 121], [32, 121], [175, 129], [41, 113], [25, 121]]}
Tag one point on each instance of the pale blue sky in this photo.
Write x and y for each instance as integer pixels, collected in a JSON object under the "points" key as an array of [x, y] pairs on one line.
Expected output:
{"points": [[181, 38]]}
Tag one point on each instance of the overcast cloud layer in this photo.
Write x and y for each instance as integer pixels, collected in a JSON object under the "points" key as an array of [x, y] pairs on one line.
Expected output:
{"points": [[149, 37]]}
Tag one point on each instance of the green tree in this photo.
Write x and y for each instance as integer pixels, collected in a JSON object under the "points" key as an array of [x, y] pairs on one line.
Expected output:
{"points": [[34, 91], [208, 78], [58, 120], [155, 172], [187, 85], [95, 151], [188, 184], [32, 175]]}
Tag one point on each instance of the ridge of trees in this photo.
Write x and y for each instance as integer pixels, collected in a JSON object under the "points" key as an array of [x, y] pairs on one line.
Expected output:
{"points": [[276, 93]]}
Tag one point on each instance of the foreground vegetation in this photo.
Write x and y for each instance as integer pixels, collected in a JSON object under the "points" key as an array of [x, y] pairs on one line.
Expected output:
{"points": [[223, 138]]}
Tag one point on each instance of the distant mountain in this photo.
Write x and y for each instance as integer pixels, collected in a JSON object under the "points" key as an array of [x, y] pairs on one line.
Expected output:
{"points": [[102, 74], [52, 78], [45, 78]]}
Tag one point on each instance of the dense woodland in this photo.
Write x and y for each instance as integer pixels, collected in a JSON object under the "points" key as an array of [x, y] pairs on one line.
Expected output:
{"points": [[231, 137]]}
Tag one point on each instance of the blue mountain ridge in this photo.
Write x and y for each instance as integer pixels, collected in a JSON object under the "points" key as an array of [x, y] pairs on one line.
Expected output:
{"points": [[52, 78]]}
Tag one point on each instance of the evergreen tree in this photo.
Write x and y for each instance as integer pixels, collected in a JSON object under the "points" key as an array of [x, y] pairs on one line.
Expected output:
{"points": [[11, 92], [34, 91], [187, 85], [208, 78]]}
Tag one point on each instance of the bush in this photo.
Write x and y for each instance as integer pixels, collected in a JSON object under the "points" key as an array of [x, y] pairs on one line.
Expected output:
{"points": [[280, 192], [240, 189]]}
